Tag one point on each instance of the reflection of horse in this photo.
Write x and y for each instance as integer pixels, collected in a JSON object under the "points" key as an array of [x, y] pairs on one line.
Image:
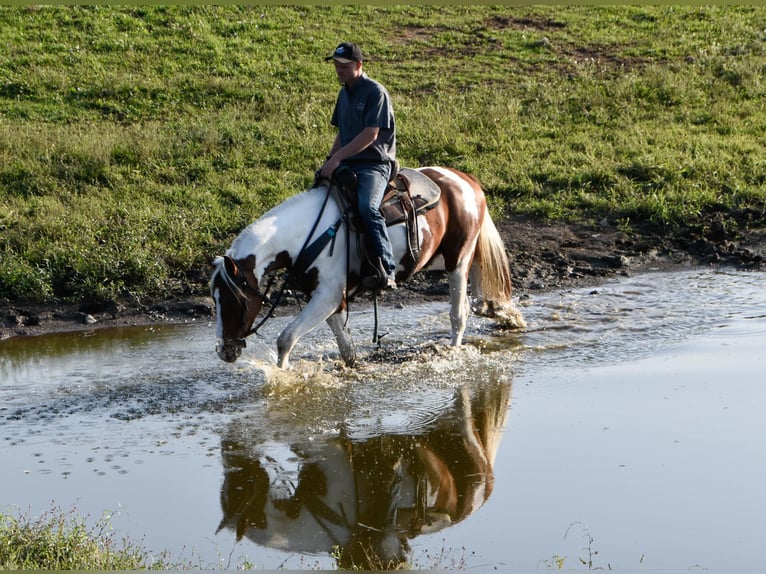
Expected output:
{"points": [[456, 235], [365, 498]]}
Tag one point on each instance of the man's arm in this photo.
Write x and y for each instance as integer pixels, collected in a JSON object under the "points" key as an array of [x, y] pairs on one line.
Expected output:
{"points": [[362, 141]]}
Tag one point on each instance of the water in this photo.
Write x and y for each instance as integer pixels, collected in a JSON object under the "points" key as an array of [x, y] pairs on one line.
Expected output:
{"points": [[623, 430]]}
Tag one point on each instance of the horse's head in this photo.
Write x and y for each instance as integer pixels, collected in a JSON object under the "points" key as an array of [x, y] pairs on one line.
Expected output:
{"points": [[238, 300]]}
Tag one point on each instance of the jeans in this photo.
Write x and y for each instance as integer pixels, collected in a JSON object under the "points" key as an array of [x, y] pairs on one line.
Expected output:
{"points": [[372, 180]]}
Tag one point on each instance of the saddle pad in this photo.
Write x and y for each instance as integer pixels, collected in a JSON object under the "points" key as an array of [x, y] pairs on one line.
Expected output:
{"points": [[424, 192]]}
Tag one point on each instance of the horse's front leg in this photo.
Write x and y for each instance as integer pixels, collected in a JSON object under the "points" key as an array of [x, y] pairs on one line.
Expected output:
{"points": [[321, 306], [337, 322]]}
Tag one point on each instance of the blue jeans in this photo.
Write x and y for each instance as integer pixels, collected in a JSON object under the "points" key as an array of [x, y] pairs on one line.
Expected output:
{"points": [[372, 179]]}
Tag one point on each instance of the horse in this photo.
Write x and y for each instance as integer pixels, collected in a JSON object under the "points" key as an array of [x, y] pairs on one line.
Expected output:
{"points": [[457, 235], [362, 498]]}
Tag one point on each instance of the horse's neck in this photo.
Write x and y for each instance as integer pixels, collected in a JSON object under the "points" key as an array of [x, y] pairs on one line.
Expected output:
{"points": [[283, 229]]}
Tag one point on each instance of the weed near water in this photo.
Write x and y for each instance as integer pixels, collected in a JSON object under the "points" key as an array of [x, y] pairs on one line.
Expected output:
{"points": [[59, 540], [136, 141], [64, 540]]}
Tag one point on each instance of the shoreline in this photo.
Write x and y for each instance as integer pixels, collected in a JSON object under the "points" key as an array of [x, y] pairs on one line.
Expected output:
{"points": [[543, 256]]}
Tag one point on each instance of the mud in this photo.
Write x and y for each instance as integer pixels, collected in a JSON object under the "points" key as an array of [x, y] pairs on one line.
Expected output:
{"points": [[544, 257]]}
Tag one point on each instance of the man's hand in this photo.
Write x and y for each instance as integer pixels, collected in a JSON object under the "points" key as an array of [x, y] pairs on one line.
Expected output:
{"points": [[329, 167], [362, 141]]}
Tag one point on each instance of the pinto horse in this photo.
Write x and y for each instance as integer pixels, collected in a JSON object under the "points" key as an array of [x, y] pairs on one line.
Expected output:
{"points": [[457, 236]]}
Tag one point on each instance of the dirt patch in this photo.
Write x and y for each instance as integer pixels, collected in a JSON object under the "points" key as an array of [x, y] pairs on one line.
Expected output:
{"points": [[571, 57], [533, 22], [555, 256], [543, 256], [32, 319]]}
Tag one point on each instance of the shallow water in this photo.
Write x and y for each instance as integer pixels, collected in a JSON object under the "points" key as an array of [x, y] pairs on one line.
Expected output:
{"points": [[625, 427]]}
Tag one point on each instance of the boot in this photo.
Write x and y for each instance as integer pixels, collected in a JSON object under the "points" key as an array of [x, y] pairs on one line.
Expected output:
{"points": [[379, 279]]}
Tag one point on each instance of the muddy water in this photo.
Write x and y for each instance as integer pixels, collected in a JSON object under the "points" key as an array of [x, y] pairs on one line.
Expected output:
{"points": [[625, 429]]}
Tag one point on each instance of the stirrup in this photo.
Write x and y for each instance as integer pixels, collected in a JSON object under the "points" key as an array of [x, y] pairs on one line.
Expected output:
{"points": [[374, 282], [378, 278], [380, 282]]}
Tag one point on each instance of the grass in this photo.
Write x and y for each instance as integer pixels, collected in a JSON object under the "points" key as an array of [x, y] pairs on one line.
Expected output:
{"points": [[59, 540], [136, 141], [64, 540]]}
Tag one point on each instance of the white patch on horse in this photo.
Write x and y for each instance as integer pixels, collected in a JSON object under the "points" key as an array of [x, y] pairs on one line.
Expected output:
{"points": [[218, 321], [255, 236], [469, 194], [424, 228], [260, 234]]}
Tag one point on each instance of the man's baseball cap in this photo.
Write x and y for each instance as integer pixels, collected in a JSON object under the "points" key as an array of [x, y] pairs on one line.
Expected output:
{"points": [[345, 53]]}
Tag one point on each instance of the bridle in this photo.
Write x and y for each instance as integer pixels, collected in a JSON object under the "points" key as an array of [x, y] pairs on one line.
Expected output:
{"points": [[305, 257], [239, 290]]}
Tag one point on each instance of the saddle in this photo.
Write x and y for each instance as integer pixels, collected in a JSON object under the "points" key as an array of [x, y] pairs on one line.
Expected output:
{"points": [[409, 194]]}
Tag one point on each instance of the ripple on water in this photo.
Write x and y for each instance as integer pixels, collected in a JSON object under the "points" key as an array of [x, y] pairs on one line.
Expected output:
{"points": [[627, 319], [134, 374]]}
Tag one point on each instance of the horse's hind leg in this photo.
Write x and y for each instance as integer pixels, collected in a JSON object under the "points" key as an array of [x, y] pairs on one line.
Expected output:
{"points": [[337, 323], [458, 290], [479, 304]]}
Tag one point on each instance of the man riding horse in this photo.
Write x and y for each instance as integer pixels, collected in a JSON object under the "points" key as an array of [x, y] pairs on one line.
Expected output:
{"points": [[455, 234], [365, 144]]}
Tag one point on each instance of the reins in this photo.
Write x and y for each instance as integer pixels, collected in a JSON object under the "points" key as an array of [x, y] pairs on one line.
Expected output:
{"points": [[306, 256]]}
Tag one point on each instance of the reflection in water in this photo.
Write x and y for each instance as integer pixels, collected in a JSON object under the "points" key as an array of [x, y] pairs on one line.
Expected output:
{"points": [[363, 499], [77, 358]]}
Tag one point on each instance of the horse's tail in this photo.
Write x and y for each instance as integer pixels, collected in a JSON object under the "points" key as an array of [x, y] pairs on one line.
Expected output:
{"points": [[491, 263]]}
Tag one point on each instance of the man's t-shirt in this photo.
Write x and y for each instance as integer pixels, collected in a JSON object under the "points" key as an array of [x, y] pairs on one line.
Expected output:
{"points": [[366, 104]]}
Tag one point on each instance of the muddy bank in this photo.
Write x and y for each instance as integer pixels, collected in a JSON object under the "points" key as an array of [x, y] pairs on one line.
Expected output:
{"points": [[544, 257]]}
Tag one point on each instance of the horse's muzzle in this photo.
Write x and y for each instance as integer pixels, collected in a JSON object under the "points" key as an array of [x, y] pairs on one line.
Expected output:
{"points": [[229, 350]]}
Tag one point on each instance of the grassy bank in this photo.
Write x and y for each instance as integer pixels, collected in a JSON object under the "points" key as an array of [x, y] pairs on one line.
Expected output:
{"points": [[59, 540], [135, 142]]}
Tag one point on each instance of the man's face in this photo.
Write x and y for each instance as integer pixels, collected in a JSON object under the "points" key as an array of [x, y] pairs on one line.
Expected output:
{"points": [[347, 73]]}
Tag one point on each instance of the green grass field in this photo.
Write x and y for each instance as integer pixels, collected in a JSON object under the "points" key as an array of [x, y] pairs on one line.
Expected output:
{"points": [[135, 142]]}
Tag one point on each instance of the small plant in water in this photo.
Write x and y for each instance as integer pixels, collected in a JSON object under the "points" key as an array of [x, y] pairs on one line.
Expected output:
{"points": [[588, 549], [555, 563], [59, 540]]}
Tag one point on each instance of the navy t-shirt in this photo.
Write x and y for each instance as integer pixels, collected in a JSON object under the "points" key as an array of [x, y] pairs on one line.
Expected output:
{"points": [[366, 104]]}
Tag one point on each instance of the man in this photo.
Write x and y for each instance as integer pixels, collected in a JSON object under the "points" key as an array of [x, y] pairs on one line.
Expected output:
{"points": [[366, 144]]}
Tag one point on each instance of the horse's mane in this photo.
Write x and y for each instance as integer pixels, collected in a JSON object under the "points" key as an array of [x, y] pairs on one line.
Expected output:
{"points": [[259, 228], [217, 266], [290, 201]]}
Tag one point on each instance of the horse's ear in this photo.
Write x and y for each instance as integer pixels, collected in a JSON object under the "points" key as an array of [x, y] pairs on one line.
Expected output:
{"points": [[231, 267], [248, 264]]}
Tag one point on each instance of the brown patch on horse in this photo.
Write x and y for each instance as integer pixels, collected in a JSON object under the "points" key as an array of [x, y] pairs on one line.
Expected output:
{"points": [[458, 232], [239, 301], [308, 281], [255, 300], [343, 305], [281, 261]]}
